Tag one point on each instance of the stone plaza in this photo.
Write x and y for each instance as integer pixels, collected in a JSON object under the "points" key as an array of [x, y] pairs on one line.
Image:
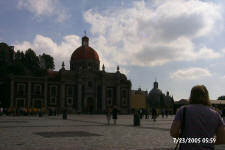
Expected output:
{"points": [[84, 132]]}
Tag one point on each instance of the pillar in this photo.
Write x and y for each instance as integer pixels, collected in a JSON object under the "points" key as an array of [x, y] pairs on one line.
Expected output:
{"points": [[85, 103], [29, 94], [12, 93], [118, 95], [79, 97], [129, 98], [62, 96], [96, 102], [103, 97], [45, 94]]}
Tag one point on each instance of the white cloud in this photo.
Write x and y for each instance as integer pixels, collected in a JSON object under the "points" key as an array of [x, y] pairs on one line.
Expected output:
{"points": [[124, 71], [207, 53], [223, 50], [63, 51], [150, 36], [44, 8], [60, 52], [190, 74]]}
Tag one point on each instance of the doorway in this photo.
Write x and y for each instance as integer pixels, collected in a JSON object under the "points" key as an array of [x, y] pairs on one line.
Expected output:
{"points": [[90, 105], [37, 103]]}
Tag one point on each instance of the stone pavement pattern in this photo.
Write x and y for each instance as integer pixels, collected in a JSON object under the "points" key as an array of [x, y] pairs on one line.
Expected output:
{"points": [[84, 132]]}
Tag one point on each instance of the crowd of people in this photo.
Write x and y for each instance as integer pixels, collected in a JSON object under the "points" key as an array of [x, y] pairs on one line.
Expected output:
{"points": [[27, 111], [112, 113]]}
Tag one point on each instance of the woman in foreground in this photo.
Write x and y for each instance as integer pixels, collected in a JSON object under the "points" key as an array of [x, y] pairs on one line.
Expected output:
{"points": [[202, 123]]}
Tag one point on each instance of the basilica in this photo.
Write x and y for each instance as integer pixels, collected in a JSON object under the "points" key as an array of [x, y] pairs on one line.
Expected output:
{"points": [[84, 88], [157, 99]]}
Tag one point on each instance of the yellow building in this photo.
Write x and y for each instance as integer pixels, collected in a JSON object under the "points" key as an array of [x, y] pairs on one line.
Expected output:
{"points": [[217, 104], [138, 99]]}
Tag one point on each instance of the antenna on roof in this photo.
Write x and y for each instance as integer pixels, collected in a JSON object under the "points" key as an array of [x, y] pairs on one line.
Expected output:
{"points": [[85, 32]]}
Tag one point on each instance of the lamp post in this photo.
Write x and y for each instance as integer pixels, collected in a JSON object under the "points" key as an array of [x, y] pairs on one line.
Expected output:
{"points": [[1, 111]]}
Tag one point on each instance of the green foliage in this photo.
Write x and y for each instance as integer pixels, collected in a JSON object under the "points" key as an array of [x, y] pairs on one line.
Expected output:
{"points": [[19, 57], [221, 97], [47, 61], [16, 69], [20, 63], [5, 94], [31, 61], [6, 54]]}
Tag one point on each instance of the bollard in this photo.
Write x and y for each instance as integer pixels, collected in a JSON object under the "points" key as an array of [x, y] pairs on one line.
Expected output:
{"points": [[64, 115], [136, 119], [40, 114]]}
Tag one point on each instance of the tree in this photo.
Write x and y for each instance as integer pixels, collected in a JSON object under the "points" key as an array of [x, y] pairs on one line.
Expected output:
{"points": [[31, 62], [6, 54], [23, 63], [47, 62], [19, 57], [221, 97]]}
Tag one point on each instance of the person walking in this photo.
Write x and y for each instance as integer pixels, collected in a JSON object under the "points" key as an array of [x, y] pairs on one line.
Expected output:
{"points": [[200, 122], [140, 113], [146, 114], [108, 116], [154, 114], [163, 112], [167, 113], [114, 114]]}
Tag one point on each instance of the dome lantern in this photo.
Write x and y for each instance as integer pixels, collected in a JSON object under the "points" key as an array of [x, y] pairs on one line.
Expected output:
{"points": [[155, 85], [85, 41], [103, 67], [118, 68]]}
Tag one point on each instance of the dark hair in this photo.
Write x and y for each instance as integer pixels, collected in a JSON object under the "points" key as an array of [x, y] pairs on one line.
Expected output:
{"points": [[199, 95]]}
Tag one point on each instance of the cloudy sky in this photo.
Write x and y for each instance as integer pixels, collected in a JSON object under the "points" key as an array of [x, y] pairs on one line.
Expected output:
{"points": [[180, 43]]}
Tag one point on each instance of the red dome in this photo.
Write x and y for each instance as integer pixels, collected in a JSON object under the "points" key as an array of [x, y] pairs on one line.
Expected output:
{"points": [[85, 52]]}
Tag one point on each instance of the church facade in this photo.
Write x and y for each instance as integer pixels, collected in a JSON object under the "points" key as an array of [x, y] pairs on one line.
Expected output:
{"points": [[158, 100], [84, 88]]}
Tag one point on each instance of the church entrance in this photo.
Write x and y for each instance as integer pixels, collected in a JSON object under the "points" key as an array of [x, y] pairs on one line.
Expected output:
{"points": [[20, 103], [90, 105], [37, 103]]}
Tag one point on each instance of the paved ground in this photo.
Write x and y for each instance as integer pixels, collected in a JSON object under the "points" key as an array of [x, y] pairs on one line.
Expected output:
{"points": [[84, 132]]}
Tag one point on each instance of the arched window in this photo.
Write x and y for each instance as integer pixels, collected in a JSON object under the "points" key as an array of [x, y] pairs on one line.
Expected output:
{"points": [[69, 91], [124, 97], [89, 67], [90, 84], [109, 96], [53, 94], [21, 89], [37, 89], [69, 101]]}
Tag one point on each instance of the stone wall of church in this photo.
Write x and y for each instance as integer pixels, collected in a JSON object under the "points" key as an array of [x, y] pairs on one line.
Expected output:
{"points": [[87, 94]]}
